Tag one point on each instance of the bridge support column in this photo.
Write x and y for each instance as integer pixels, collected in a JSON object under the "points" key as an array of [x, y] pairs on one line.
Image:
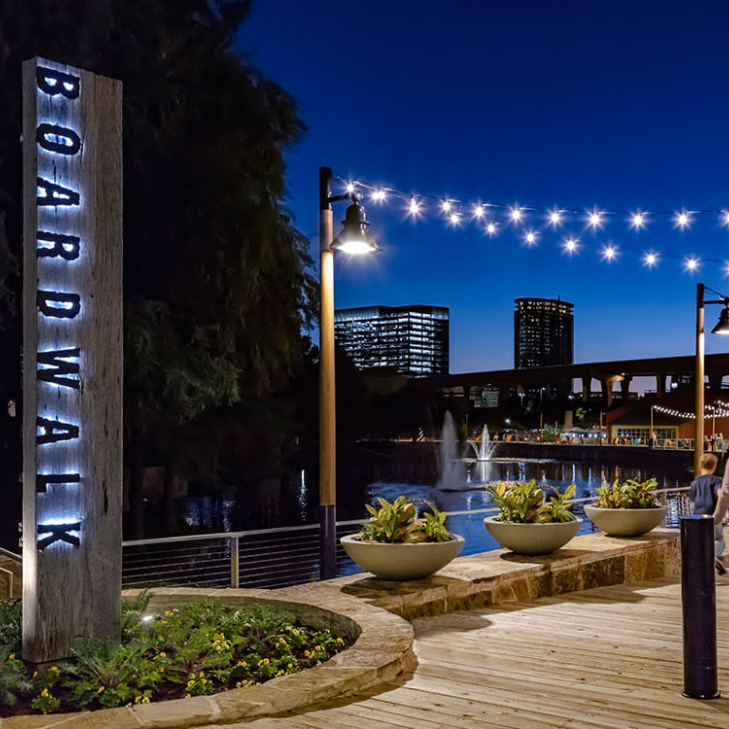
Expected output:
{"points": [[625, 387], [715, 384], [660, 385], [606, 388], [586, 388]]}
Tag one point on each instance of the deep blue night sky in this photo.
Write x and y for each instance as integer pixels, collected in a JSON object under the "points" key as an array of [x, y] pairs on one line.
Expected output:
{"points": [[614, 105]]}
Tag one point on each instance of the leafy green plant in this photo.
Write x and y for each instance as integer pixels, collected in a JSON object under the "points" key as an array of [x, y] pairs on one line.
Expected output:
{"points": [[397, 522], [524, 503], [630, 494], [197, 649], [11, 622], [13, 681], [111, 674]]}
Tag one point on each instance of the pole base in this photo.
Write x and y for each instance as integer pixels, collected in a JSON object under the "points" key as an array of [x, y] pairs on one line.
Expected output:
{"points": [[702, 697]]}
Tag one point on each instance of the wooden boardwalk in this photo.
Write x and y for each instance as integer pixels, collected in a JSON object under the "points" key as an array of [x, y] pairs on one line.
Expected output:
{"points": [[609, 658]]}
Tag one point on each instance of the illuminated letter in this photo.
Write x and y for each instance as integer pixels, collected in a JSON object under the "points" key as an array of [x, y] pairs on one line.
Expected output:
{"points": [[58, 139], [63, 246], [57, 362], [42, 481], [59, 533], [62, 306], [51, 431], [56, 82], [49, 193]]}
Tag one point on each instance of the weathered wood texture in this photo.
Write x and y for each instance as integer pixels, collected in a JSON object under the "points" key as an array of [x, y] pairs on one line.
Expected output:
{"points": [[72, 591], [604, 658]]}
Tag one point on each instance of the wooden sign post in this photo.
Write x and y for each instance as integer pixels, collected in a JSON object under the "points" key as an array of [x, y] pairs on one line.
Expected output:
{"points": [[72, 361]]}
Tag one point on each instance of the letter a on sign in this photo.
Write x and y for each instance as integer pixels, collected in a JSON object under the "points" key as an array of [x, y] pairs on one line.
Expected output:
{"points": [[72, 358]]}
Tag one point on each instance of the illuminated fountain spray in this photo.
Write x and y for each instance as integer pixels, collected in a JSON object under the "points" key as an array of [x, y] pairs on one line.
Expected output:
{"points": [[485, 449], [451, 467]]}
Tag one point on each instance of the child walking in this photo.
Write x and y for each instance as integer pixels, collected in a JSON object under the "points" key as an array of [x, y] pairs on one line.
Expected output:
{"points": [[705, 494]]}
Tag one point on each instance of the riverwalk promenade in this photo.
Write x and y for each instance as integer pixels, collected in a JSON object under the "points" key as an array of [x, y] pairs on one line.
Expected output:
{"points": [[588, 636], [610, 657]]}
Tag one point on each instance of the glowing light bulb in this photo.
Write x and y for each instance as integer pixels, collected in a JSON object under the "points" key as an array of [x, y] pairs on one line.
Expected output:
{"points": [[446, 206], [651, 259], [555, 218], [726, 218], [570, 245], [691, 263], [455, 218], [515, 214], [414, 208], [531, 238], [682, 220], [595, 219], [379, 195], [491, 229], [479, 211], [350, 187], [637, 221], [726, 268], [610, 252]]}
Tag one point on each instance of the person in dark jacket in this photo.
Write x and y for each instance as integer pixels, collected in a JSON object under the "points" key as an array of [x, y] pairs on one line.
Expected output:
{"points": [[705, 493]]}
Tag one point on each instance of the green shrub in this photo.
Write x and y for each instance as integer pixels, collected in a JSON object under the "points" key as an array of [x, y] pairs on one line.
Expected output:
{"points": [[397, 522], [630, 494], [524, 503], [11, 622], [197, 649]]}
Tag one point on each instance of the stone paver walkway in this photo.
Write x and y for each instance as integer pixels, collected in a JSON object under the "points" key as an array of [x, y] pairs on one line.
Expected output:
{"points": [[607, 658]]}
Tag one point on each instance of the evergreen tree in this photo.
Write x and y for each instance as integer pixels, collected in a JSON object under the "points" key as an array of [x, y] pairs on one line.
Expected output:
{"points": [[215, 283]]}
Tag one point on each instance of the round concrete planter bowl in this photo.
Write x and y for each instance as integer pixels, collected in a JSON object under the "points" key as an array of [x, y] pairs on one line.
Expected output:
{"points": [[402, 561], [532, 538], [626, 522]]}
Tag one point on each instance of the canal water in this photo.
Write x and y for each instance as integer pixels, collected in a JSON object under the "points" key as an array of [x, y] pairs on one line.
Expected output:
{"points": [[292, 499]]}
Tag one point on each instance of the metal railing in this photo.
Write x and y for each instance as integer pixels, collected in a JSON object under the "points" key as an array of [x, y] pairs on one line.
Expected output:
{"points": [[263, 558], [9, 575]]}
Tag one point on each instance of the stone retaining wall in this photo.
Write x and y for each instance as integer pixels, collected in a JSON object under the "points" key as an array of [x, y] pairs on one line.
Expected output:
{"points": [[499, 577]]}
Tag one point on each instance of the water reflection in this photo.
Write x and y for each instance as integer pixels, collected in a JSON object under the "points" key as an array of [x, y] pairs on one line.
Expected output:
{"points": [[292, 497]]}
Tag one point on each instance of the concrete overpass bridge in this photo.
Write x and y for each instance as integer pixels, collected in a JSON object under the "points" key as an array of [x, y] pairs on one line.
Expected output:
{"points": [[561, 377]]}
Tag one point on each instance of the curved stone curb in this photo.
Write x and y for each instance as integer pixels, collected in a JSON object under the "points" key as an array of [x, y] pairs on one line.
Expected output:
{"points": [[383, 650]]}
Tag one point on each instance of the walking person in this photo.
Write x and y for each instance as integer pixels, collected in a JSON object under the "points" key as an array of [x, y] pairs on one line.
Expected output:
{"points": [[707, 493]]}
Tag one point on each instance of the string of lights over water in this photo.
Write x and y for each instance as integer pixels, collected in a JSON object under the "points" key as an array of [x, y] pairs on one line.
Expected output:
{"points": [[533, 222]]}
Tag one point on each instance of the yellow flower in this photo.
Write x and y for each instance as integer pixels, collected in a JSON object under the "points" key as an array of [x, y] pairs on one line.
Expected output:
{"points": [[44, 692], [290, 665], [11, 657], [340, 641], [35, 674], [163, 655], [101, 688]]}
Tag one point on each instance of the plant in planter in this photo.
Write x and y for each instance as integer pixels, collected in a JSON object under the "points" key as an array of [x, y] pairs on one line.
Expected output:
{"points": [[627, 509], [528, 523], [396, 545]]}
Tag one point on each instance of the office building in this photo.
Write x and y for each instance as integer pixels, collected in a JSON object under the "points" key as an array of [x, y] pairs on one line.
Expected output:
{"points": [[543, 333], [412, 340]]}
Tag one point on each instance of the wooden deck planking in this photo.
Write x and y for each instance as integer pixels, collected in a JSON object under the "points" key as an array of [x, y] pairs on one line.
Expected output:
{"points": [[606, 658]]}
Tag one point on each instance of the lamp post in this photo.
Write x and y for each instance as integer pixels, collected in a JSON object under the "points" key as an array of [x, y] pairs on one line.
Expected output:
{"points": [[722, 327], [353, 240]]}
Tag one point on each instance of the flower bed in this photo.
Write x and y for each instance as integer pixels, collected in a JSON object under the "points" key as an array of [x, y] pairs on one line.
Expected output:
{"points": [[196, 649]]}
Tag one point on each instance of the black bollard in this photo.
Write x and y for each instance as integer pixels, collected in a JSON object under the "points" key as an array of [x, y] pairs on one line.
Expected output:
{"points": [[698, 595]]}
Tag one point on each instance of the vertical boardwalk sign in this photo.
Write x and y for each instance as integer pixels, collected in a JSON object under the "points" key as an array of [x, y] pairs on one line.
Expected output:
{"points": [[72, 360]]}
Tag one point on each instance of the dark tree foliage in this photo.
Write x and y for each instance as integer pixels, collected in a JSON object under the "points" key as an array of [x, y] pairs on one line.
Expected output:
{"points": [[215, 283]]}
